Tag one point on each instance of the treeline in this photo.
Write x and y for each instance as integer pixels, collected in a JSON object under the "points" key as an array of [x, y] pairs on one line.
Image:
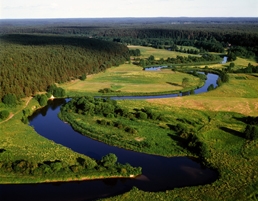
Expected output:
{"points": [[88, 105], [31, 63], [107, 166]]}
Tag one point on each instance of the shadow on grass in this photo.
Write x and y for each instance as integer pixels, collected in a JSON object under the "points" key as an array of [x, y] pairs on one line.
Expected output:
{"points": [[248, 120], [254, 75], [174, 84], [179, 141], [50, 162], [233, 132], [2, 150]]}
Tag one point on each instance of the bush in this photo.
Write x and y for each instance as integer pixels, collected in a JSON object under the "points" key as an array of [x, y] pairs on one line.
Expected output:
{"points": [[83, 77], [4, 114], [142, 115]]}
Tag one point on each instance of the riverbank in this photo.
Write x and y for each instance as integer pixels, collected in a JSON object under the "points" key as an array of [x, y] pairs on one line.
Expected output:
{"points": [[26, 157]]}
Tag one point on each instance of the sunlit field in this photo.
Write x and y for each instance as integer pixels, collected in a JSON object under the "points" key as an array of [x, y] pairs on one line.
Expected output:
{"points": [[129, 78]]}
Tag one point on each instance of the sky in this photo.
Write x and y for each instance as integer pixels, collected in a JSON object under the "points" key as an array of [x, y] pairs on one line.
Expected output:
{"points": [[20, 9]]}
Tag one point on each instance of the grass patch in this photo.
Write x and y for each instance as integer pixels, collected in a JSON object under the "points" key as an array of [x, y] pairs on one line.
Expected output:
{"points": [[131, 79]]}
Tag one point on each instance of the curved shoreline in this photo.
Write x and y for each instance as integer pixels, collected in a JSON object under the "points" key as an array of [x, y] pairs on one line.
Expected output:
{"points": [[70, 179]]}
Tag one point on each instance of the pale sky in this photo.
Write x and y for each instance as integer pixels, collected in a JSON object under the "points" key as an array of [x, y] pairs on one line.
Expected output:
{"points": [[10, 9]]}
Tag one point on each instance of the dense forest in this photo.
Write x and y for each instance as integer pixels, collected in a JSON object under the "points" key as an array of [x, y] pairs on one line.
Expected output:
{"points": [[210, 34], [31, 63]]}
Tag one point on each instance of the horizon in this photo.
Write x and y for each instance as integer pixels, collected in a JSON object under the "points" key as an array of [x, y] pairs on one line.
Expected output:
{"points": [[180, 17]]}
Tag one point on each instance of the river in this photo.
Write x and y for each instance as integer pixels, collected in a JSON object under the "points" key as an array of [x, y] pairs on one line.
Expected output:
{"points": [[159, 173]]}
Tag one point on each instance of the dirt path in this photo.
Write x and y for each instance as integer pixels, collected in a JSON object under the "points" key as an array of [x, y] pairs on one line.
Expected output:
{"points": [[12, 115]]}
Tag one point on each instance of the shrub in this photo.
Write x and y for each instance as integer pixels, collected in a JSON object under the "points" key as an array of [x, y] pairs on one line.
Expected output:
{"points": [[4, 114], [83, 77], [142, 115]]}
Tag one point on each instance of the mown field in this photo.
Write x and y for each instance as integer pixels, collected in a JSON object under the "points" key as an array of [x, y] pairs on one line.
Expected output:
{"points": [[131, 79]]}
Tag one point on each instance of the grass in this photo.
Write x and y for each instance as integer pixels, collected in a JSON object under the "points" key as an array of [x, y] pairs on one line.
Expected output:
{"points": [[239, 63], [158, 53], [238, 95], [129, 79]]}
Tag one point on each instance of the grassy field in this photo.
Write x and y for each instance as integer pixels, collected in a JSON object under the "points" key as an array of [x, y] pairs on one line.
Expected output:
{"points": [[239, 63], [240, 95], [158, 53], [129, 79]]}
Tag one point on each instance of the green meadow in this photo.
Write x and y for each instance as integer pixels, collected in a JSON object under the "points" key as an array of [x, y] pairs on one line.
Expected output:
{"points": [[131, 79]]}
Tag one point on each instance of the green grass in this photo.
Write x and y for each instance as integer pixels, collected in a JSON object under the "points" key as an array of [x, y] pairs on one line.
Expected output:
{"points": [[238, 95], [131, 79], [158, 53]]}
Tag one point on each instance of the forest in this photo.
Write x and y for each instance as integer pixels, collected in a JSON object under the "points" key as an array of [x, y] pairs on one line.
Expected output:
{"points": [[31, 63]]}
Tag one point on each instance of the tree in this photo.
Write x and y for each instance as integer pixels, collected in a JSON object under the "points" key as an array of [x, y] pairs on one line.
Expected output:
{"points": [[142, 63], [83, 77], [109, 160], [232, 65], [251, 132], [10, 99], [211, 87], [185, 82], [224, 77], [43, 100]]}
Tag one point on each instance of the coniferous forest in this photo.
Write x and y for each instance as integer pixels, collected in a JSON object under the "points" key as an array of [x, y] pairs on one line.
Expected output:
{"points": [[31, 63]]}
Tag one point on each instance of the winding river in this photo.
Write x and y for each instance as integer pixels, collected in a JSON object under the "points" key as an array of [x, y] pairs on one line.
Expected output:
{"points": [[159, 173]]}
